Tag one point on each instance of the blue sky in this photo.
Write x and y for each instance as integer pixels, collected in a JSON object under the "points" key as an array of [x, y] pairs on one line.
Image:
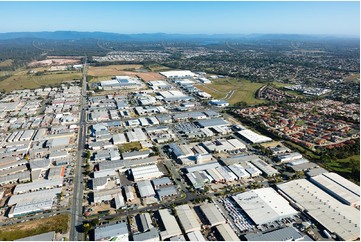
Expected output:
{"points": [[335, 18]]}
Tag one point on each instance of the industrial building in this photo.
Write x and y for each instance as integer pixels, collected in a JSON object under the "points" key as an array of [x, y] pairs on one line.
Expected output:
{"points": [[226, 233], [145, 172], [144, 222], [337, 218], [49, 236], [170, 224], [117, 232], [167, 192], [267, 170], [211, 123], [120, 82], [338, 187], [264, 205], [212, 214], [195, 236], [289, 157], [283, 234], [178, 74], [223, 145], [145, 189], [150, 235], [187, 218], [38, 185], [253, 137]]}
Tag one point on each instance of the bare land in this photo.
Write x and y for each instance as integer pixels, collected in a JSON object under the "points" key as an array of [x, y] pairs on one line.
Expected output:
{"points": [[150, 76], [6, 63], [59, 224], [54, 62], [114, 70], [34, 79]]}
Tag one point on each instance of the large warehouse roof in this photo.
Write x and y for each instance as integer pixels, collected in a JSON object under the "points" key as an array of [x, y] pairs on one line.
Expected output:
{"points": [[264, 205], [187, 218], [336, 217], [170, 225], [119, 230], [227, 233], [284, 234], [208, 123], [253, 137], [172, 74], [212, 214], [336, 190], [145, 189]]}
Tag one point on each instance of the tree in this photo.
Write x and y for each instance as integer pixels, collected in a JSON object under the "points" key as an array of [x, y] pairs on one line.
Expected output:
{"points": [[94, 222]]}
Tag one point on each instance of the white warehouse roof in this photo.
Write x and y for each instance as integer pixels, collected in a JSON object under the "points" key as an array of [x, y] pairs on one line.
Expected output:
{"points": [[264, 205], [336, 217], [170, 225], [254, 137], [171, 74], [187, 218]]}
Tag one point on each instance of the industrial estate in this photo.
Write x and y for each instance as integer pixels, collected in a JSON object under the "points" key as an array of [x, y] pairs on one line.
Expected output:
{"points": [[124, 152]]}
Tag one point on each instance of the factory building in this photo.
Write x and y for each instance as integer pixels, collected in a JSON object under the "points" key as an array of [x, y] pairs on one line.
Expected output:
{"points": [[187, 218], [212, 214], [337, 218], [170, 224], [264, 205]]}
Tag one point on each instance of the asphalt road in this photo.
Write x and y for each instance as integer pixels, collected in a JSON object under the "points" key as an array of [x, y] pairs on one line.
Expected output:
{"points": [[76, 212]]}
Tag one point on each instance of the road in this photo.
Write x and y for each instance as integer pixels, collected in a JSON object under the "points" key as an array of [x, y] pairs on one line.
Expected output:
{"points": [[77, 208]]}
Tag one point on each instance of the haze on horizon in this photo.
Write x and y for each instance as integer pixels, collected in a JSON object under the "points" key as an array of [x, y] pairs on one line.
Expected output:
{"points": [[325, 18]]}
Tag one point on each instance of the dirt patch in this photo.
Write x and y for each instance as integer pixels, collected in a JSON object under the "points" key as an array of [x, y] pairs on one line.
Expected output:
{"points": [[53, 62], [114, 70], [150, 76]]}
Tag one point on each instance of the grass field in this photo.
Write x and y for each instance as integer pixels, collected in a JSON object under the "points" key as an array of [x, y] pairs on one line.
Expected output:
{"points": [[157, 68], [130, 147], [112, 70], [57, 223], [244, 90], [22, 79], [6, 63], [343, 165]]}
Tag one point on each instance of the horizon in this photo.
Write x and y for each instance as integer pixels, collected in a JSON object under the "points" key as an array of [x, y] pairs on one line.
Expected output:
{"points": [[186, 18]]}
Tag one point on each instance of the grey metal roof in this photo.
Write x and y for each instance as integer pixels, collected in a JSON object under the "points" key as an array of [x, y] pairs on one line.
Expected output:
{"points": [[110, 231], [177, 151], [49, 236], [287, 233], [39, 164], [167, 191], [149, 235], [162, 181], [212, 122]]}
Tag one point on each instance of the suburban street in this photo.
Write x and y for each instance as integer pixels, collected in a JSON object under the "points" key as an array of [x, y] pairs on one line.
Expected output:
{"points": [[76, 215]]}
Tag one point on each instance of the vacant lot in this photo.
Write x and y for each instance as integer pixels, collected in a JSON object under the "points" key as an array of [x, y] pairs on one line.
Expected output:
{"points": [[57, 223], [353, 78], [234, 90], [56, 62], [158, 68], [113, 70], [150, 76], [23, 79], [6, 63]]}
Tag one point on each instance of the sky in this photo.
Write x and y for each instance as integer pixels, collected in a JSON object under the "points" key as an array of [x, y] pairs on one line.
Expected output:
{"points": [[330, 18]]}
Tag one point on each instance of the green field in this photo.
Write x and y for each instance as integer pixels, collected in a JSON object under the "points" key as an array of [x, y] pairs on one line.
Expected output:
{"points": [[22, 79], [132, 146], [57, 223], [244, 90]]}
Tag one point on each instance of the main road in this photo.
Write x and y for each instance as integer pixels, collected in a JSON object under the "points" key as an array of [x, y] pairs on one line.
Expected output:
{"points": [[77, 205]]}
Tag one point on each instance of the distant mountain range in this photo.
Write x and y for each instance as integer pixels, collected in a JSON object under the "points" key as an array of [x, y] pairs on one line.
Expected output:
{"points": [[75, 35]]}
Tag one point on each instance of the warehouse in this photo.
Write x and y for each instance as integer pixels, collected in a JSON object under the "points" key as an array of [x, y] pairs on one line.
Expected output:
{"points": [[283, 234], [120, 82], [178, 74], [195, 236], [240, 172], [56, 172], [289, 157], [151, 235], [119, 201], [197, 180], [264, 205], [222, 145], [202, 167], [99, 183], [145, 172], [30, 208], [38, 185], [27, 135], [174, 96], [136, 134], [253, 137], [179, 151], [122, 164], [170, 225], [162, 182], [219, 103], [227, 175], [40, 164], [266, 169], [213, 215], [339, 189], [16, 177], [226, 233], [49, 236], [119, 139], [129, 193], [105, 173], [110, 232], [145, 189], [339, 219], [209, 123], [144, 222], [37, 196], [187, 218], [136, 155], [167, 192]]}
